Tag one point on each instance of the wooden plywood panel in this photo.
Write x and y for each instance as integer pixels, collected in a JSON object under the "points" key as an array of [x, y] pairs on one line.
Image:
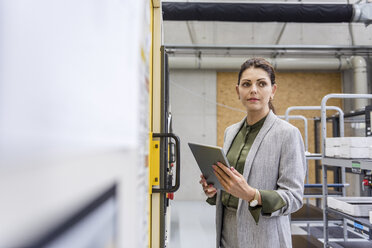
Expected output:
{"points": [[294, 89]]}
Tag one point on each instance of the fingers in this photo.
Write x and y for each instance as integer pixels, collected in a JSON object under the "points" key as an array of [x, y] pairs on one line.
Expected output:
{"points": [[210, 191], [203, 181], [229, 178], [225, 174], [225, 169], [222, 177], [235, 172]]}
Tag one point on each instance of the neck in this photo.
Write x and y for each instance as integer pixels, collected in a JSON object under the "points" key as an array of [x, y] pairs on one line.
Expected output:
{"points": [[255, 116]]}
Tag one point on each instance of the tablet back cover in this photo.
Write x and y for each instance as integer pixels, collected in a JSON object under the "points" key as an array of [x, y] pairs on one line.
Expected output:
{"points": [[206, 156]]}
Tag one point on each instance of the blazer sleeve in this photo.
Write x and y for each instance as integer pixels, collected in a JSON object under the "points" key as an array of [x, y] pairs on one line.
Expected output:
{"points": [[292, 170]]}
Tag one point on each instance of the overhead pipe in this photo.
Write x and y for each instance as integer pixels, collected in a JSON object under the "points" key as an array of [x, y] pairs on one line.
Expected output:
{"points": [[362, 13], [234, 63], [343, 49], [267, 12]]}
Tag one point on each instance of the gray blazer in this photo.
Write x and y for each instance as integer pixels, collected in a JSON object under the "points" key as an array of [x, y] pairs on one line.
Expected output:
{"points": [[276, 161]]}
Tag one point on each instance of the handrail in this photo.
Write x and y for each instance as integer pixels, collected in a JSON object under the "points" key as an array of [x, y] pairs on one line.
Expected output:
{"points": [[299, 117], [324, 108], [319, 185], [341, 113]]}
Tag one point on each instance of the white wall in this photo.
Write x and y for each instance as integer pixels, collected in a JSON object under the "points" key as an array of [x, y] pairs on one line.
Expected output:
{"points": [[192, 100]]}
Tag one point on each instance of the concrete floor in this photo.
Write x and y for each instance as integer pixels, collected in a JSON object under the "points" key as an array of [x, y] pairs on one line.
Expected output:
{"points": [[193, 225]]}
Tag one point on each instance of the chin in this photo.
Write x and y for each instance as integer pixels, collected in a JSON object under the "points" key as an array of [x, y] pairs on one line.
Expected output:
{"points": [[256, 109]]}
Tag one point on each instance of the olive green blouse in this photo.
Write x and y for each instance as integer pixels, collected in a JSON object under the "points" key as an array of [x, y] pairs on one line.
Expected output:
{"points": [[271, 200]]}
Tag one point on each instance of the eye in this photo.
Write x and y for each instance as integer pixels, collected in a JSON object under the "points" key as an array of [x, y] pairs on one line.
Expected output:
{"points": [[262, 83], [246, 84]]}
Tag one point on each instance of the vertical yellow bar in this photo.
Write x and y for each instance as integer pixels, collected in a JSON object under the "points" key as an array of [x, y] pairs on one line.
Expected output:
{"points": [[150, 123], [155, 115]]}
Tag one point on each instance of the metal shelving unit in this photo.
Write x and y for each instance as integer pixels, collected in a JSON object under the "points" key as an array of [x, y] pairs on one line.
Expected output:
{"points": [[360, 164], [314, 156], [360, 224], [308, 213], [363, 164], [317, 192]]}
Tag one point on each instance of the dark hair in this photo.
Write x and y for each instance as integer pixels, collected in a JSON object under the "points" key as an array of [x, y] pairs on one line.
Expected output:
{"points": [[262, 64]]}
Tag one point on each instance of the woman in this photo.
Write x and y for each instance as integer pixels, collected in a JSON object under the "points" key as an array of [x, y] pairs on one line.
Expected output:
{"points": [[266, 181]]}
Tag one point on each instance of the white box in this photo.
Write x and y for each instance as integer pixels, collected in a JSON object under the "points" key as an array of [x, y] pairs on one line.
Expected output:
{"points": [[356, 141], [349, 141], [332, 147], [333, 152], [349, 147], [333, 142], [330, 151], [356, 206], [354, 152]]}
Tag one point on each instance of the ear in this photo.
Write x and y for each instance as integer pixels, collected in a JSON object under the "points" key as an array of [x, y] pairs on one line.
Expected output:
{"points": [[237, 90], [273, 90]]}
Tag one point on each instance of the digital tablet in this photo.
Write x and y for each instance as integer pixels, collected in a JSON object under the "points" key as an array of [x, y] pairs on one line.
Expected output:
{"points": [[206, 156]]}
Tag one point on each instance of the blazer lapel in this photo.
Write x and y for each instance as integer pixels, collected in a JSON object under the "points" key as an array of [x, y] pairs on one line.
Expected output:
{"points": [[271, 117], [230, 136]]}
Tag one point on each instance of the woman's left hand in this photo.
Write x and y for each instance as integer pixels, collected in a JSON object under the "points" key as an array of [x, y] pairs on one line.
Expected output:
{"points": [[233, 182]]}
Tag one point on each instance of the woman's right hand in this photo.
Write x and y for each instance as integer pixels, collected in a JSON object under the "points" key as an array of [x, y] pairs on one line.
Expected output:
{"points": [[209, 190]]}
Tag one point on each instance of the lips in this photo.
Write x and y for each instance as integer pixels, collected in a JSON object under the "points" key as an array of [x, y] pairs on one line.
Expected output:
{"points": [[253, 99]]}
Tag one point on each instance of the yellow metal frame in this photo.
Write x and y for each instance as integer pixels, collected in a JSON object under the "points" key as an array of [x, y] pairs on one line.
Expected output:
{"points": [[155, 162], [154, 119]]}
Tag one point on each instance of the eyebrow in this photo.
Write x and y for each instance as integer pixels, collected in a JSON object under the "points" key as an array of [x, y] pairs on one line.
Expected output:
{"points": [[257, 79]]}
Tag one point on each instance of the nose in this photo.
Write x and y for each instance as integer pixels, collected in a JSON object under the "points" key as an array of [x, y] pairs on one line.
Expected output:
{"points": [[253, 89]]}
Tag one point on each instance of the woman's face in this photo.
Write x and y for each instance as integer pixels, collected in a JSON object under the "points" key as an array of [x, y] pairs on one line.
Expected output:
{"points": [[254, 90]]}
